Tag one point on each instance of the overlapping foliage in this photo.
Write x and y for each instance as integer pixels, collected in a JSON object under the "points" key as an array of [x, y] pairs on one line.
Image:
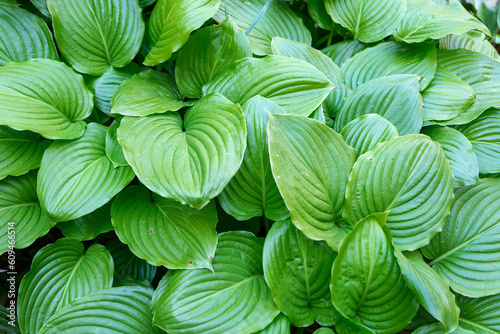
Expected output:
{"points": [[252, 166]]}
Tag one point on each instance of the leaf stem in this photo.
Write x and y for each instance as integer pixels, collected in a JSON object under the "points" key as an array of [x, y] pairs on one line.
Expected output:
{"points": [[259, 16], [266, 222], [330, 36]]}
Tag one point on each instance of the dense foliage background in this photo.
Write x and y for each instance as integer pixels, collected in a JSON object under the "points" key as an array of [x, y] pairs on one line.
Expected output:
{"points": [[250, 166]]}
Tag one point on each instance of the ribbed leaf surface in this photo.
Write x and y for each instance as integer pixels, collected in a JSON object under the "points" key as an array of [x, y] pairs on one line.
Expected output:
{"points": [[127, 265], [88, 227], [481, 315], [438, 328], [473, 41], [280, 324], [340, 52]]}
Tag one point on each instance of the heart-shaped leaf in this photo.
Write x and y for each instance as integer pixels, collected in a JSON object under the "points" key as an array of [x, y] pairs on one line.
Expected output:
{"points": [[76, 177], [367, 284], [94, 35], [298, 272], [60, 273], [127, 265], [195, 300], [391, 58], [170, 24], [44, 96], [397, 98], [473, 40], [253, 191], [163, 231], [113, 310], [312, 186], [480, 315], [407, 177], [88, 227], [146, 93], [467, 251], [20, 211], [24, 36], [368, 20], [294, 85], [207, 53], [189, 160]]}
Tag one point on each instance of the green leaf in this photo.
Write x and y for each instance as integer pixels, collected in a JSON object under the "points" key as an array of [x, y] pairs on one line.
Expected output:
{"points": [[333, 102], [317, 10], [431, 290], [94, 35], [104, 86], [44, 96], [253, 191], [146, 93], [481, 72], [367, 284], [467, 251], [447, 96], [410, 179], [312, 185], [207, 53], [228, 223], [397, 98], [20, 151], [127, 265], [324, 330], [268, 19], [460, 153], [298, 271], [481, 315], [113, 149], [365, 132], [163, 231], [340, 52], [234, 298], [88, 227], [76, 177], [113, 311], [391, 58], [41, 5], [428, 20], [170, 24], [23, 36], [438, 328], [280, 324], [189, 160], [346, 326], [368, 20], [8, 322], [484, 134], [473, 41], [294, 85], [60, 273], [97, 117], [19, 206]]}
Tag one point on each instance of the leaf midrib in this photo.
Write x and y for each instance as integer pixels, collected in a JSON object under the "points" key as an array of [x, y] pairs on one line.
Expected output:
{"points": [[477, 325], [71, 275], [104, 43]]}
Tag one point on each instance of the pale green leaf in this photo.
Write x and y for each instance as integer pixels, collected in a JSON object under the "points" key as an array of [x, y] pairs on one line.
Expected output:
{"points": [[340, 52], [113, 149], [127, 265], [481, 315], [88, 227], [438, 328], [473, 41]]}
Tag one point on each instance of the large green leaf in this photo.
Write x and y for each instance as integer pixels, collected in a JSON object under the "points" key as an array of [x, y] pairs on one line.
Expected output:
{"points": [[367, 284], [467, 251], [431, 290], [312, 185], [23, 36], [481, 72], [253, 191], [234, 298], [113, 149], [60, 273], [428, 20], [340, 52], [163, 231], [460, 153], [264, 19], [408, 177], [298, 271], [438, 328], [20, 151], [365, 132], [293, 84], [481, 315], [127, 265], [333, 102], [207, 53], [189, 160], [94, 35], [473, 41], [280, 324], [368, 20], [88, 227], [19, 206], [170, 24], [484, 134], [111, 311], [76, 177], [44, 96], [146, 93], [447, 96], [397, 98], [391, 58]]}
